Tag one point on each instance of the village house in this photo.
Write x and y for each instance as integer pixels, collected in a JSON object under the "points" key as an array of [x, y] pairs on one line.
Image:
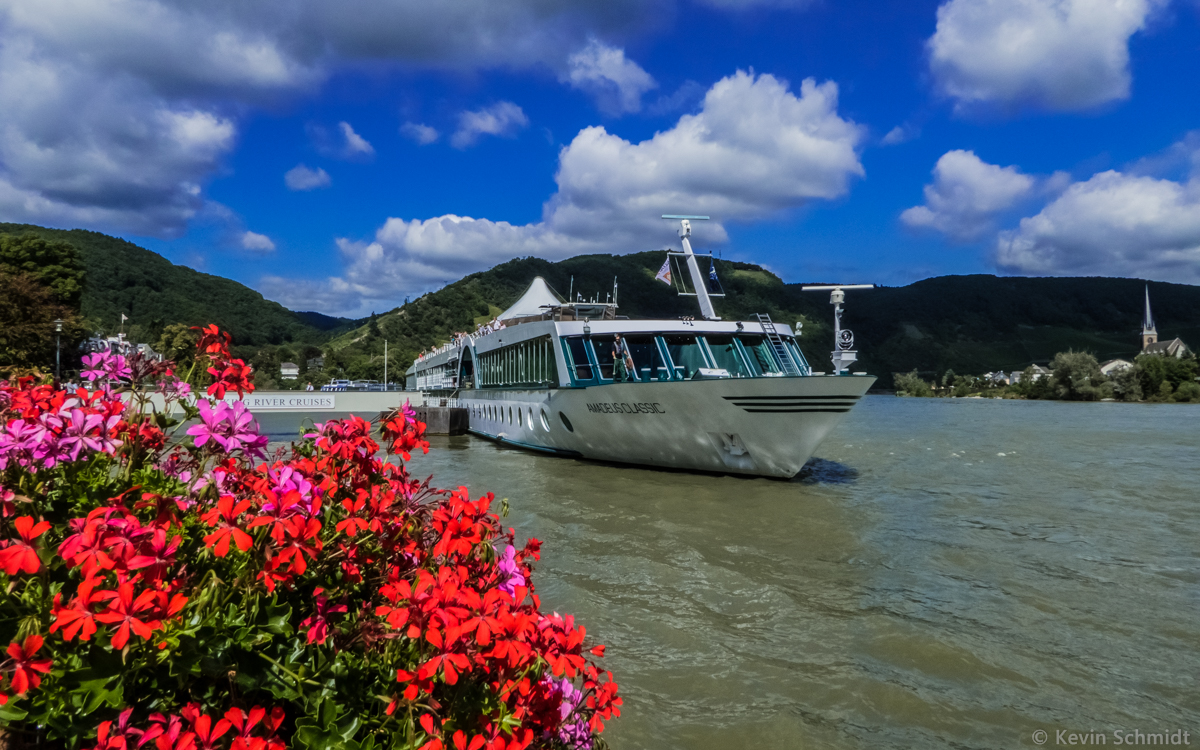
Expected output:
{"points": [[1113, 366], [1039, 372], [289, 370]]}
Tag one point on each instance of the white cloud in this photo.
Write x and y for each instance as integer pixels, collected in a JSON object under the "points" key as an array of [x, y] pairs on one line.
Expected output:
{"points": [[754, 149], [255, 242], [967, 194], [502, 119], [301, 177], [604, 72], [422, 134], [1056, 54], [900, 134], [1114, 224], [115, 113], [355, 144]]}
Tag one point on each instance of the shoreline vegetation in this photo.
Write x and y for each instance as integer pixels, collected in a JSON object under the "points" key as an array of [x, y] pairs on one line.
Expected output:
{"points": [[1073, 376]]}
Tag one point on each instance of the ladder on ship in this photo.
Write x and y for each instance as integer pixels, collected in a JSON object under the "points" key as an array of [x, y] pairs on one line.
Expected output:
{"points": [[781, 350]]}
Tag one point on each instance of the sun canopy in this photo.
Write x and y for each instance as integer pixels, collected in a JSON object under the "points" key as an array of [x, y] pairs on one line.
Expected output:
{"points": [[534, 301]]}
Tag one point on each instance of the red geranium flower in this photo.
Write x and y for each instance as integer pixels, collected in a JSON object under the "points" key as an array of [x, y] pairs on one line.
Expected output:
{"points": [[128, 611], [20, 555], [25, 674]]}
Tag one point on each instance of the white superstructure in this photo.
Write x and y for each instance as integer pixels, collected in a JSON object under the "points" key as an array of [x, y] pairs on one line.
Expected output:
{"points": [[709, 395]]}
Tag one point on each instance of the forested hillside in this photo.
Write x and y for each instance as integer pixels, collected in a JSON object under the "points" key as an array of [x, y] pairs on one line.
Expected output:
{"points": [[971, 324], [121, 277], [975, 324]]}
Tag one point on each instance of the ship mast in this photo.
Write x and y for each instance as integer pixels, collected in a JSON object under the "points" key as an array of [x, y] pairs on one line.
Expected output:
{"points": [[843, 354], [698, 281]]}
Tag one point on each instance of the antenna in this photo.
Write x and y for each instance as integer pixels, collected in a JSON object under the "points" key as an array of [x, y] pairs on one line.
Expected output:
{"points": [[843, 338]]}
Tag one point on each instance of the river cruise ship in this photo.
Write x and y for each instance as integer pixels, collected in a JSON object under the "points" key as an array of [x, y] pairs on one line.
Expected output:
{"points": [[699, 394]]}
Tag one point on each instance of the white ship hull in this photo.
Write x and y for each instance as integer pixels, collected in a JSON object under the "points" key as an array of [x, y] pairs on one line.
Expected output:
{"points": [[755, 426]]}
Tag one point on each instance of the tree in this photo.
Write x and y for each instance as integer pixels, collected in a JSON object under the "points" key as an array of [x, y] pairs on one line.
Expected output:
{"points": [[1126, 384], [28, 310], [1187, 392], [1077, 377], [52, 263], [177, 342], [911, 384], [1156, 369]]}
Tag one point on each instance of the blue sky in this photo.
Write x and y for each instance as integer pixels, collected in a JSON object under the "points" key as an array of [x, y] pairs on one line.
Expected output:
{"points": [[340, 156]]}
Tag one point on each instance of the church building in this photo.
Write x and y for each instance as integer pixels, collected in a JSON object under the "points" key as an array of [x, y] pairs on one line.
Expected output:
{"points": [[1150, 343]]}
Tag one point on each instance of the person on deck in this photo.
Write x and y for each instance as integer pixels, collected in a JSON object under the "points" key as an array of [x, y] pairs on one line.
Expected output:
{"points": [[620, 372], [309, 388]]}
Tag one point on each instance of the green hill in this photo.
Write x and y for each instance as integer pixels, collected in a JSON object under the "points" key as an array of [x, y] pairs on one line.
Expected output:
{"points": [[970, 324], [153, 292], [974, 324]]}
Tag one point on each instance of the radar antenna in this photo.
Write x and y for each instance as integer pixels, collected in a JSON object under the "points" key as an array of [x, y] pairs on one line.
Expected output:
{"points": [[843, 354]]}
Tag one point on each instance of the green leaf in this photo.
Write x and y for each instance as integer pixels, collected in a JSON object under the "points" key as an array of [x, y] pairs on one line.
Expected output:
{"points": [[11, 712], [279, 618]]}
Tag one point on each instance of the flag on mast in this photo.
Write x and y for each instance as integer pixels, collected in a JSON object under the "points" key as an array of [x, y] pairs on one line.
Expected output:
{"points": [[124, 317], [664, 273]]}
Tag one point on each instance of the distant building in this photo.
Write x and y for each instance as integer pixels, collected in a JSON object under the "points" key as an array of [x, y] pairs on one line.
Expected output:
{"points": [[1149, 332], [1150, 343], [1039, 372], [117, 345], [997, 377], [289, 371], [1113, 366], [316, 363]]}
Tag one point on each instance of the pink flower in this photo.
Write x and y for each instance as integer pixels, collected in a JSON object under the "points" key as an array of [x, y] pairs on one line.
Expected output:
{"points": [[509, 571], [285, 479], [318, 622], [230, 426], [105, 366]]}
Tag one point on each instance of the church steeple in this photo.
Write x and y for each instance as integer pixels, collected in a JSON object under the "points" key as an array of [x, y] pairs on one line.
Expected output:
{"points": [[1149, 334]]}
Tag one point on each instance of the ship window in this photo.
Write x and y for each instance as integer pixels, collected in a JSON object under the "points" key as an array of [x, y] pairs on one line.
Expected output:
{"points": [[727, 356], [647, 361], [566, 422], [686, 355], [579, 358], [510, 415], [545, 422], [762, 359], [602, 347]]}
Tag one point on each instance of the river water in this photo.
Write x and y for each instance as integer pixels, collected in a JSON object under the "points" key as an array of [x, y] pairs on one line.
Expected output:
{"points": [[947, 573]]}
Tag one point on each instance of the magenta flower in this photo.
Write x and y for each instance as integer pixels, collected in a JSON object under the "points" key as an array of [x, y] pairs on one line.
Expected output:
{"points": [[318, 622], [174, 389], [510, 573], [229, 426], [285, 479], [575, 734], [105, 366], [79, 432]]}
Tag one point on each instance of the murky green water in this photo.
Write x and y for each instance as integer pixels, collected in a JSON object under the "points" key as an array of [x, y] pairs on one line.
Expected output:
{"points": [[949, 573]]}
